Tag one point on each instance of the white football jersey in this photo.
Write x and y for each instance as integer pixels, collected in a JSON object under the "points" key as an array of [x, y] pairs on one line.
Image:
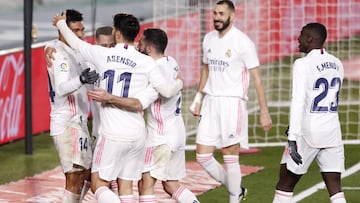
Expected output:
{"points": [[317, 79], [229, 59], [164, 121], [124, 72], [68, 97]]}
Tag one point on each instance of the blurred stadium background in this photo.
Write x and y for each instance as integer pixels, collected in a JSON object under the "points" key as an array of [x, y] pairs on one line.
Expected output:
{"points": [[274, 25]]}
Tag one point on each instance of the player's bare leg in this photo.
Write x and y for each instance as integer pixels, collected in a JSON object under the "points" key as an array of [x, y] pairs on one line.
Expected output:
{"points": [[73, 186], [147, 184], [146, 188], [101, 190], [126, 191], [285, 186], [74, 183], [287, 180], [333, 184]]}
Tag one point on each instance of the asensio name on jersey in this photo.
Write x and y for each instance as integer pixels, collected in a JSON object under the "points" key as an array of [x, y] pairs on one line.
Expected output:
{"points": [[125, 72], [121, 59]]}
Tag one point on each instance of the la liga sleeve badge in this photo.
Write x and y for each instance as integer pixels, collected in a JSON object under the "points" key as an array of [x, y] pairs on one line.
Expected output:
{"points": [[64, 67]]}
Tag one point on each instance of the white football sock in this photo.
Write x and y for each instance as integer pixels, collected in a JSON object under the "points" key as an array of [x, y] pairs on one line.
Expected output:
{"points": [[233, 177], [338, 198], [70, 197], [184, 195], [282, 197], [104, 195], [147, 199], [213, 167], [127, 199]]}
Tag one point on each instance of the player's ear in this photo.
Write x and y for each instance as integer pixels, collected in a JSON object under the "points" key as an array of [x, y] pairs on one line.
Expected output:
{"points": [[309, 39], [149, 48], [232, 16], [118, 35]]}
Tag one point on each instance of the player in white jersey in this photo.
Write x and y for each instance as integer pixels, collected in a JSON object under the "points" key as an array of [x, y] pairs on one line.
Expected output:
{"points": [[103, 37], [229, 58], [69, 111], [125, 72], [314, 131], [165, 154]]}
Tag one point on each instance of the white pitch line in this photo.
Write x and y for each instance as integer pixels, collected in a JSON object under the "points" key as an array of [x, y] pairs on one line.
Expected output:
{"points": [[321, 185], [350, 188], [13, 192]]}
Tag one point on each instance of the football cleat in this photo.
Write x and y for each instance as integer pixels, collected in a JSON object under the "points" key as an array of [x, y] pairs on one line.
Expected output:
{"points": [[243, 194]]}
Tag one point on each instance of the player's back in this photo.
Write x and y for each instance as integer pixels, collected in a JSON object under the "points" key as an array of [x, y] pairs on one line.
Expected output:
{"points": [[324, 74], [165, 122], [170, 107], [125, 72]]}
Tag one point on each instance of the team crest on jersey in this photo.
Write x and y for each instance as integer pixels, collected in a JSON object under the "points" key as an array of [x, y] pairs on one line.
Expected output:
{"points": [[228, 53], [64, 67]]}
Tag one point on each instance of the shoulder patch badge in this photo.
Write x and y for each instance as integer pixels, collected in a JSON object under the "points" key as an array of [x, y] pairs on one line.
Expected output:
{"points": [[64, 67]]}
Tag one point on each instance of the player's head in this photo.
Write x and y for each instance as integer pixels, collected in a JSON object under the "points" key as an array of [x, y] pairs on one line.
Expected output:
{"points": [[223, 15], [74, 21], [104, 36], [312, 36], [153, 39], [127, 25]]}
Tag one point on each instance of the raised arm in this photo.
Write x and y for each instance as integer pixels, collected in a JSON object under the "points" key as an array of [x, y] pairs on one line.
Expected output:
{"points": [[60, 22]]}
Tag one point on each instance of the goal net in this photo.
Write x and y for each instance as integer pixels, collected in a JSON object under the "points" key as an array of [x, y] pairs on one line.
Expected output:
{"points": [[274, 26]]}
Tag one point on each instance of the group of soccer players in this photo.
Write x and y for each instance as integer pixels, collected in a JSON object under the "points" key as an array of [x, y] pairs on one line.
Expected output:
{"points": [[130, 81], [137, 78]]}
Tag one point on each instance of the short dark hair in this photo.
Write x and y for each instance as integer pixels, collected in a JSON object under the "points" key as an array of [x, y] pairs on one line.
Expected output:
{"points": [[229, 3], [157, 38], [105, 30], [318, 31], [128, 25], [72, 16]]}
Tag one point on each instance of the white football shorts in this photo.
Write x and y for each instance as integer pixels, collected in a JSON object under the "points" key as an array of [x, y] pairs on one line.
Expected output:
{"points": [[328, 159], [74, 148], [165, 164], [118, 159], [223, 122]]}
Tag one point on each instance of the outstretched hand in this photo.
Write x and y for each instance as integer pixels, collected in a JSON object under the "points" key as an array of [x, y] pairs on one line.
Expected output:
{"points": [[294, 153], [58, 17]]}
